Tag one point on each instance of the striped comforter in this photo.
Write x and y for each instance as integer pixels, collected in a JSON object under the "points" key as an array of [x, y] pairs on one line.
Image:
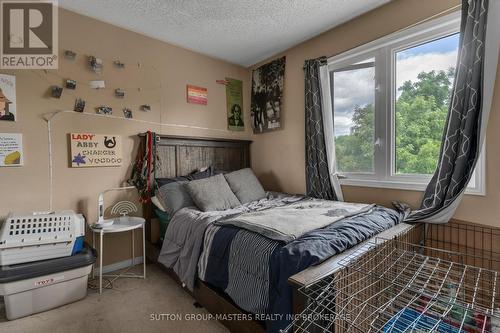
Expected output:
{"points": [[237, 262]]}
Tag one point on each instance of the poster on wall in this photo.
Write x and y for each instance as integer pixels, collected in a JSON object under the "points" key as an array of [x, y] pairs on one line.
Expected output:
{"points": [[11, 149], [95, 150], [267, 96], [196, 95], [234, 101], [8, 97]]}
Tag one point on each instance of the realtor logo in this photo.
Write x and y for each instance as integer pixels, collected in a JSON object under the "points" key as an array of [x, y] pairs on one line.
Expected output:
{"points": [[29, 36]]}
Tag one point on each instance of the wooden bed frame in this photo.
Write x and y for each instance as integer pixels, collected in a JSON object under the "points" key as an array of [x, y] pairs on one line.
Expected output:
{"points": [[179, 156]]}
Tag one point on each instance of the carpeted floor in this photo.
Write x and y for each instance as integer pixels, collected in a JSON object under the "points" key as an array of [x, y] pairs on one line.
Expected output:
{"points": [[156, 304]]}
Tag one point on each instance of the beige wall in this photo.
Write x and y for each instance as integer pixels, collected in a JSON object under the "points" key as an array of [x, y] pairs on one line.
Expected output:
{"points": [[165, 70], [279, 156]]}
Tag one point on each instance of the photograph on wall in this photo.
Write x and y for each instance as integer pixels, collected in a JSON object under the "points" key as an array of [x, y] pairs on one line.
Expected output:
{"points": [[196, 95], [11, 149], [234, 101], [79, 105], [127, 113], [71, 84], [95, 150], [8, 97], [267, 96]]}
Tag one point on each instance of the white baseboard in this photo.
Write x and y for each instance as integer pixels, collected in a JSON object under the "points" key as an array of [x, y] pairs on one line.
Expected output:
{"points": [[117, 265]]}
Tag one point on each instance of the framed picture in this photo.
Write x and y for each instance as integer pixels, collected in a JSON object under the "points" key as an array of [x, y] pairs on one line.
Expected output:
{"points": [[8, 97], [267, 96], [196, 95]]}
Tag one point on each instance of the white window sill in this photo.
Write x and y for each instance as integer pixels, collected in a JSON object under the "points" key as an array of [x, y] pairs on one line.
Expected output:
{"points": [[398, 185]]}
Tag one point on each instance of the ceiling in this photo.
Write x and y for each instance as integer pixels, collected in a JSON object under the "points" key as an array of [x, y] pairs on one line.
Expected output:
{"points": [[243, 32]]}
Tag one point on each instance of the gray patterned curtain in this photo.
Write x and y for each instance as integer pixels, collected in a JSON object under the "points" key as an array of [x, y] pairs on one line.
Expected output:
{"points": [[318, 182], [462, 134]]}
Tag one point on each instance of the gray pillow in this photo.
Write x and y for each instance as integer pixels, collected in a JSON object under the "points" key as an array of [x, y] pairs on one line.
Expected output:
{"points": [[174, 196], [212, 193], [245, 185]]}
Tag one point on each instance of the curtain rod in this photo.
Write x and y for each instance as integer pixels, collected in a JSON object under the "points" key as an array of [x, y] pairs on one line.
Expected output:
{"points": [[446, 11]]}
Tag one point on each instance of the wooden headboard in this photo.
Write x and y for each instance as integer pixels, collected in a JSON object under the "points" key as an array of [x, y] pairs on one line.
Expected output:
{"points": [[181, 155]]}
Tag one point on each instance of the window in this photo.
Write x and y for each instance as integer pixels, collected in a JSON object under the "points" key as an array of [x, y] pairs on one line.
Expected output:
{"points": [[353, 100], [424, 78], [390, 100]]}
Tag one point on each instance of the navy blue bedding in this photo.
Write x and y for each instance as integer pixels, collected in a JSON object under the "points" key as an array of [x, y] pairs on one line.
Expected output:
{"points": [[283, 260]]}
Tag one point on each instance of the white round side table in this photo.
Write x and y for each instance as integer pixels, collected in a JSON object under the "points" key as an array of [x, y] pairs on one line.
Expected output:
{"points": [[121, 224]]}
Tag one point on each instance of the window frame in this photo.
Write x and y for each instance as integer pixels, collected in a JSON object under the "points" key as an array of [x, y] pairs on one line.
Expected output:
{"points": [[384, 50]]}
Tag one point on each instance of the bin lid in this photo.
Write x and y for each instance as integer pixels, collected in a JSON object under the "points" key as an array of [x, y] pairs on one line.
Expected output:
{"points": [[18, 272]]}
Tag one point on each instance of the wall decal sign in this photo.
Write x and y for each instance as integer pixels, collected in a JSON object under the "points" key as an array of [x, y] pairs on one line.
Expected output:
{"points": [[95, 150], [8, 97], [234, 104], [196, 95], [11, 149]]}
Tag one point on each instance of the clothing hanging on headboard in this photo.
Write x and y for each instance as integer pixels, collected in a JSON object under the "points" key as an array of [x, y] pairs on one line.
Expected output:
{"points": [[143, 172]]}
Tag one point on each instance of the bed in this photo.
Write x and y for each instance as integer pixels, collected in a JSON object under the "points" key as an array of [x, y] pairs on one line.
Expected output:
{"points": [[222, 276]]}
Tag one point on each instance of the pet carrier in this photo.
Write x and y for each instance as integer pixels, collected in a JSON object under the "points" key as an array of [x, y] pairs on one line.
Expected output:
{"points": [[33, 237]]}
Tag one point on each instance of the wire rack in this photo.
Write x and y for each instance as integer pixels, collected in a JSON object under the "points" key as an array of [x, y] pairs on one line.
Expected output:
{"points": [[392, 286]]}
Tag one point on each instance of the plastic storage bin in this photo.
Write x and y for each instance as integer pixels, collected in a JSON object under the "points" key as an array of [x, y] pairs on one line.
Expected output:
{"points": [[39, 286]]}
